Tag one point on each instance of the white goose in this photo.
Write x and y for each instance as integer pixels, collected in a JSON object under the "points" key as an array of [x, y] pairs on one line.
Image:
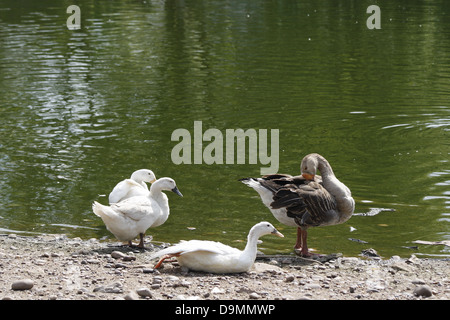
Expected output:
{"points": [[133, 216], [215, 257], [307, 200], [135, 186]]}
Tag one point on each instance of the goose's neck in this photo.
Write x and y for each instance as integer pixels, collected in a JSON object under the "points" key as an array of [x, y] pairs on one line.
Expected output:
{"points": [[251, 246], [157, 194], [324, 167], [341, 193]]}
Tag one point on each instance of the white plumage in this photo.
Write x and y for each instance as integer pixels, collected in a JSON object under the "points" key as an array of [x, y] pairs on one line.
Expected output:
{"points": [[135, 186], [133, 216], [215, 257]]}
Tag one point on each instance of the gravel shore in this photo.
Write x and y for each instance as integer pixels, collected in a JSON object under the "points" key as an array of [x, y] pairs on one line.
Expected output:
{"points": [[54, 267]]}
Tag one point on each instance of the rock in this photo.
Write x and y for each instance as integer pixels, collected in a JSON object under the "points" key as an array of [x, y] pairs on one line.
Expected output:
{"points": [[289, 278], [401, 266], [24, 284], [254, 295], [129, 258], [144, 292], [132, 295], [216, 290], [118, 255], [413, 260], [156, 286], [370, 253], [148, 270], [115, 287], [418, 281], [423, 291], [260, 267], [312, 286]]}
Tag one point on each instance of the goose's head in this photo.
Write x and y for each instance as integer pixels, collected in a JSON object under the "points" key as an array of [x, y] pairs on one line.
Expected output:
{"points": [[166, 184], [309, 166], [144, 175], [264, 228]]}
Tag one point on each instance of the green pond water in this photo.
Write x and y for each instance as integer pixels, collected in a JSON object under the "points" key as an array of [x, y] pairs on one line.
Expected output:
{"points": [[82, 109]]}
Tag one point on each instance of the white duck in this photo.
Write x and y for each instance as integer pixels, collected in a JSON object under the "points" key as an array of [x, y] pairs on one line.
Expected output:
{"points": [[215, 257], [305, 201], [133, 216], [135, 186]]}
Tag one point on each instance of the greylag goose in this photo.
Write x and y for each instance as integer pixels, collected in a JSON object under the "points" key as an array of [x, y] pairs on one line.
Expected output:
{"points": [[133, 216], [135, 186], [216, 257], [307, 200]]}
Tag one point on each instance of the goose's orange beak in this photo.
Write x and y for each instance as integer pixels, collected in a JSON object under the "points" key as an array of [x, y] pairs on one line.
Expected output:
{"points": [[308, 176]]}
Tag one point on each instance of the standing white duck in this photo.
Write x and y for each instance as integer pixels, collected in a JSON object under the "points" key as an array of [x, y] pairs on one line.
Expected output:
{"points": [[135, 186], [307, 200], [215, 257], [133, 216]]}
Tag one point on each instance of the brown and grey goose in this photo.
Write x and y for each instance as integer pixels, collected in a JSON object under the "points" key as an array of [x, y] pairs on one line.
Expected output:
{"points": [[307, 200]]}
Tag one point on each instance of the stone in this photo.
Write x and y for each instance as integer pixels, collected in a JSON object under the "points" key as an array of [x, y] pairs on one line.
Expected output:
{"points": [[144, 292], [24, 284], [115, 287], [132, 295], [216, 290], [418, 281], [289, 278], [423, 291], [148, 270], [254, 295], [118, 255]]}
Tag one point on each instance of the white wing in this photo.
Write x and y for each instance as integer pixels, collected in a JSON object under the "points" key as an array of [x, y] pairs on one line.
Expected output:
{"points": [[197, 246], [126, 189], [136, 208]]}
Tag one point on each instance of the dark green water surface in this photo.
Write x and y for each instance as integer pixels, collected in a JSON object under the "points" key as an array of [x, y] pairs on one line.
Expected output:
{"points": [[82, 109]]}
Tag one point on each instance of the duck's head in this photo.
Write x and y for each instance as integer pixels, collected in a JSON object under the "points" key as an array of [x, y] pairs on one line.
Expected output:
{"points": [[309, 165], [144, 175], [166, 184], [265, 227]]}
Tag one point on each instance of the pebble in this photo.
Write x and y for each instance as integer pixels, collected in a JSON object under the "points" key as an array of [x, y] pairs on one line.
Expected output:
{"points": [[144, 292], [217, 290], [24, 284], [254, 295], [118, 255], [115, 287], [289, 278], [418, 281], [148, 270], [132, 295], [123, 256], [423, 291]]}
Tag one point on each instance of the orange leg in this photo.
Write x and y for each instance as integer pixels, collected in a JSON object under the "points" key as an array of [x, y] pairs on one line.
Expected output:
{"points": [[298, 244], [301, 246], [167, 256]]}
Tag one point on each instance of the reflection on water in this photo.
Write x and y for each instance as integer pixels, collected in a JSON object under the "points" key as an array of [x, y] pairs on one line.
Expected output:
{"points": [[81, 110]]}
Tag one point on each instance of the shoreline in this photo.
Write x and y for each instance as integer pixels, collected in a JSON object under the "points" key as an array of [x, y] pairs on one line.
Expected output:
{"points": [[55, 267]]}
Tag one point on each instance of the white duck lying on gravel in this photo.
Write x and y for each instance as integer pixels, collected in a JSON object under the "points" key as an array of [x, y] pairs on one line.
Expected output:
{"points": [[133, 216], [135, 186], [215, 257]]}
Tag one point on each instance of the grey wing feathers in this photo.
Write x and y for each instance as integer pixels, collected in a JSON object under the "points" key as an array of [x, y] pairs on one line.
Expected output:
{"points": [[308, 202]]}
